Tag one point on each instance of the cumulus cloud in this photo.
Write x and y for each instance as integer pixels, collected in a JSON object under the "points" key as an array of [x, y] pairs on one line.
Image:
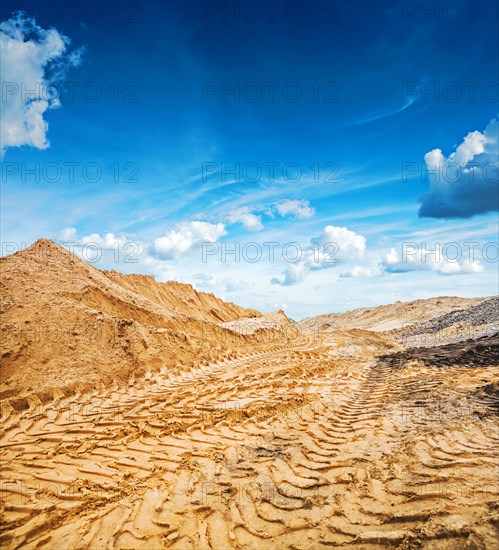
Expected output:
{"points": [[186, 236], [108, 240], [335, 246], [466, 182], [300, 209], [427, 260], [103, 251], [33, 59], [69, 235], [246, 217]]}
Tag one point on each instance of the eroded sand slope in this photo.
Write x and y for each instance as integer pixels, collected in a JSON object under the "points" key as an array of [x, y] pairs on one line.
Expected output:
{"points": [[68, 326]]}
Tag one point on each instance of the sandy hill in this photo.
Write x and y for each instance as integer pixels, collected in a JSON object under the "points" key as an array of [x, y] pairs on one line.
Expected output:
{"points": [[181, 299], [391, 316], [64, 321]]}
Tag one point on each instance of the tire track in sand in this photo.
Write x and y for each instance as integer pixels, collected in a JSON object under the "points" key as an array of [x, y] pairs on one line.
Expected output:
{"points": [[297, 447]]}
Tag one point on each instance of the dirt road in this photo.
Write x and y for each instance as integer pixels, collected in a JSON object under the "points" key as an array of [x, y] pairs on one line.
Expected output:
{"points": [[298, 447]]}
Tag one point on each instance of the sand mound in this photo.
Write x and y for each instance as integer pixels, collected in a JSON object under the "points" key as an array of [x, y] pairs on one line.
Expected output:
{"points": [[472, 322], [66, 324], [391, 316], [181, 299]]}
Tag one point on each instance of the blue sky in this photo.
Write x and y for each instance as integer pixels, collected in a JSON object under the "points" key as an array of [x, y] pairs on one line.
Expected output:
{"points": [[155, 126]]}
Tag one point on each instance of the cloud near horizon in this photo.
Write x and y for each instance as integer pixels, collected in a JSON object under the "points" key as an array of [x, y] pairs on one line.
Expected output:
{"points": [[186, 236], [421, 260], [335, 246]]}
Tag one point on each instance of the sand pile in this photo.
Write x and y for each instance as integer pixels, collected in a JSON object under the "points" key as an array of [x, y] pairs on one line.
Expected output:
{"points": [[66, 324], [390, 317], [181, 299], [472, 322]]}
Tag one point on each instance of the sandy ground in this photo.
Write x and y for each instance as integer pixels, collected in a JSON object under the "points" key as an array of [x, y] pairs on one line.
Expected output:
{"points": [[146, 416], [309, 446]]}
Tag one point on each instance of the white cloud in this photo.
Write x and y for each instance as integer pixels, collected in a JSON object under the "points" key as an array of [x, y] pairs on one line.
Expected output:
{"points": [[29, 53], [465, 183], [216, 284], [292, 275], [300, 209], [246, 217], [203, 281], [427, 260], [359, 271], [103, 251], [68, 234], [335, 246], [107, 241], [234, 284], [186, 236]]}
